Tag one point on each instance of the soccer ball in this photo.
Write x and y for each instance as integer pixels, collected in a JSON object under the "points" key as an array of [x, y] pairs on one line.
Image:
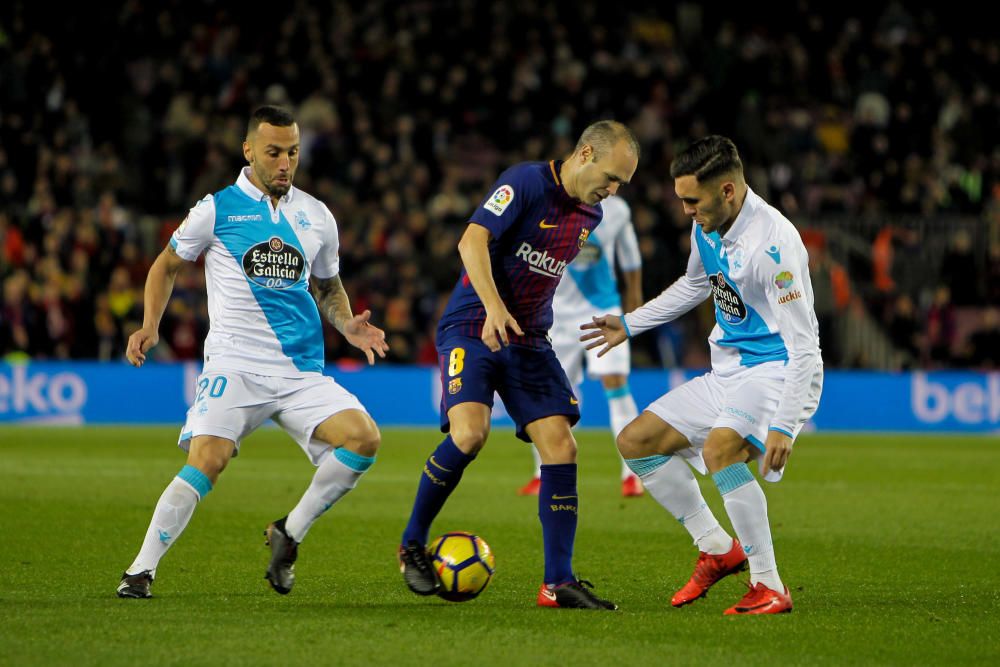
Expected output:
{"points": [[464, 563]]}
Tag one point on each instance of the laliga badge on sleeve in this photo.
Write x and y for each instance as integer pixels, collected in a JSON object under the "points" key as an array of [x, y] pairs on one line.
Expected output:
{"points": [[500, 200]]}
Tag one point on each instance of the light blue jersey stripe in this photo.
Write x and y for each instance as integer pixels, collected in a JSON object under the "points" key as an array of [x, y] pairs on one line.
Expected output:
{"points": [[593, 275], [290, 310], [749, 336]]}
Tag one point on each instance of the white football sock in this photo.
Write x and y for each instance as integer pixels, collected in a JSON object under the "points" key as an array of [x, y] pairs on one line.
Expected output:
{"points": [[538, 462], [337, 474], [747, 509], [670, 481], [621, 410], [171, 516]]}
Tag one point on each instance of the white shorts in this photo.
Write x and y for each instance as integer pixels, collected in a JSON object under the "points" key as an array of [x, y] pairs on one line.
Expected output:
{"points": [[233, 405], [565, 335], [744, 402]]}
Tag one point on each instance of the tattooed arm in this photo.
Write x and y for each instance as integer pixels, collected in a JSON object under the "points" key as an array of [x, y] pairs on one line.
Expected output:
{"points": [[336, 307]]}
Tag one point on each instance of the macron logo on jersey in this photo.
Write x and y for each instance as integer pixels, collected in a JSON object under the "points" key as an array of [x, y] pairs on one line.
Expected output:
{"points": [[244, 218], [540, 262]]}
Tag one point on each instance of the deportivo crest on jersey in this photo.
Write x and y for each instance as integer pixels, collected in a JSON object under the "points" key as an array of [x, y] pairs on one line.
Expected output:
{"points": [[500, 200], [727, 299], [302, 221], [274, 264], [737, 258], [584, 235]]}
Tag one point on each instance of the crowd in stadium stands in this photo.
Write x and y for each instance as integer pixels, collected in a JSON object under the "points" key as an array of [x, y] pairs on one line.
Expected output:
{"points": [[409, 110]]}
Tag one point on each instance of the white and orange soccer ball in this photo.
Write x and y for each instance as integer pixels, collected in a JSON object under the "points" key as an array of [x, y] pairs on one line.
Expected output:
{"points": [[464, 563]]}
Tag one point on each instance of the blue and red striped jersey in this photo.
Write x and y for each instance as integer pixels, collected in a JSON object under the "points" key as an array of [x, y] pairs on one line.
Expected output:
{"points": [[537, 229]]}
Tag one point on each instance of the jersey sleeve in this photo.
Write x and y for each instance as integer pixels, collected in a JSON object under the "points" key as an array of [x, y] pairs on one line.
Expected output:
{"points": [[195, 233], [687, 292], [512, 193], [326, 264], [786, 285]]}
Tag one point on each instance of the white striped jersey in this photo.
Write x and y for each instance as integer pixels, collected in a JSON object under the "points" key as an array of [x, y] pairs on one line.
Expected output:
{"points": [[258, 261], [758, 275]]}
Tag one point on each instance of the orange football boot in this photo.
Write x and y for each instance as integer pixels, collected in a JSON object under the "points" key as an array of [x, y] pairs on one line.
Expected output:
{"points": [[762, 600], [707, 571], [632, 487]]}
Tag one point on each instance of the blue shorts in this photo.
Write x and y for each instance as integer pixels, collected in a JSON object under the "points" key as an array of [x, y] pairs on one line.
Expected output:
{"points": [[530, 381]]}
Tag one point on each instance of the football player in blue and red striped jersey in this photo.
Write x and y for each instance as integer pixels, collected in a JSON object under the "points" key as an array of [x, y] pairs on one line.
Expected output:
{"points": [[493, 338]]}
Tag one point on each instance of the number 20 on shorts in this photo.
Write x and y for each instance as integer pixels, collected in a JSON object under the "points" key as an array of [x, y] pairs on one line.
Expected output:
{"points": [[218, 386]]}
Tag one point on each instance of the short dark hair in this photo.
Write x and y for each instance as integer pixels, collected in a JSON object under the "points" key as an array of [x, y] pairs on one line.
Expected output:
{"points": [[270, 114], [604, 134], [707, 158]]}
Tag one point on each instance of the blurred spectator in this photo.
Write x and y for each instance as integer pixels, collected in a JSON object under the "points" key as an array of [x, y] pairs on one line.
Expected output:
{"points": [[958, 269], [940, 327], [984, 343], [904, 327], [858, 112]]}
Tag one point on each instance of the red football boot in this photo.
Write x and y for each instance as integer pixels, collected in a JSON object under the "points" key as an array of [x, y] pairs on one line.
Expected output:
{"points": [[762, 600], [707, 571], [531, 488], [632, 487]]}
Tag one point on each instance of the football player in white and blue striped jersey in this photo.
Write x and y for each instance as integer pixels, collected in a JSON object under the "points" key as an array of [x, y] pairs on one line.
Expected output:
{"points": [[765, 383], [265, 244]]}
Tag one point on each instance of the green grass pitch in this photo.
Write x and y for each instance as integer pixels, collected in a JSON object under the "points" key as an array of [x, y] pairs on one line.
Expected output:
{"points": [[889, 544]]}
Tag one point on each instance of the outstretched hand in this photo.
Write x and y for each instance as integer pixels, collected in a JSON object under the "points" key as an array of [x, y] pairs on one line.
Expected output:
{"points": [[368, 338], [608, 331]]}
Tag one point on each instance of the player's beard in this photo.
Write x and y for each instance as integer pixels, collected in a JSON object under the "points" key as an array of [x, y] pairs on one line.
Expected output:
{"points": [[278, 191]]}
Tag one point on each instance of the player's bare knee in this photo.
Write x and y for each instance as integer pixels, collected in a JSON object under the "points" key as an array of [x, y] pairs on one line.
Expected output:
{"points": [[558, 450], [720, 454], [469, 439], [364, 440], [632, 444], [210, 455]]}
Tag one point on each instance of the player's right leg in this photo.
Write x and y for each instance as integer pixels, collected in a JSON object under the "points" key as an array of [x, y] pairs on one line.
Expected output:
{"points": [[228, 406], [207, 458], [467, 387], [469, 427], [649, 445]]}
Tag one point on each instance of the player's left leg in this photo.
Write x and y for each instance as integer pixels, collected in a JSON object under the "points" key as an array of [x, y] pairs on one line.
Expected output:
{"points": [[726, 454], [207, 457], [341, 440], [622, 411], [571, 353], [558, 504], [541, 402]]}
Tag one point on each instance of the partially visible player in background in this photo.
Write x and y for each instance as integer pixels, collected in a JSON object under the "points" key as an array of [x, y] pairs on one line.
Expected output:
{"points": [[590, 289], [765, 382], [493, 337], [265, 244]]}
